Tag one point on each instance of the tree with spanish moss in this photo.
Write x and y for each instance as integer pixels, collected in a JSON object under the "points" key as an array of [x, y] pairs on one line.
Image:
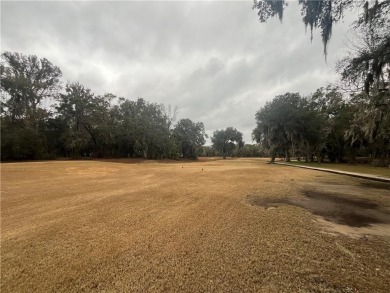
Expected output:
{"points": [[288, 124]]}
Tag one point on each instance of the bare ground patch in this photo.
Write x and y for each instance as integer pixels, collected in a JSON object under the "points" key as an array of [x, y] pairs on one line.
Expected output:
{"points": [[341, 205]]}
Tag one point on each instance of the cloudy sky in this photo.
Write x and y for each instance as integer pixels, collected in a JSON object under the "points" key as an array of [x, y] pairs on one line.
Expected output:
{"points": [[213, 60]]}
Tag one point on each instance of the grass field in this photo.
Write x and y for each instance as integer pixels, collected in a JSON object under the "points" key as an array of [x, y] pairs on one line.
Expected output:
{"points": [[358, 168], [209, 226]]}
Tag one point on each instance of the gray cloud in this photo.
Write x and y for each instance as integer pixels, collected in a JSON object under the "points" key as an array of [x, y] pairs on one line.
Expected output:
{"points": [[213, 60]]}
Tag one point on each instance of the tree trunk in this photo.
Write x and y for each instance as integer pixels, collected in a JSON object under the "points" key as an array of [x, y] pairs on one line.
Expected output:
{"points": [[307, 155], [273, 157], [288, 158], [319, 158], [145, 151]]}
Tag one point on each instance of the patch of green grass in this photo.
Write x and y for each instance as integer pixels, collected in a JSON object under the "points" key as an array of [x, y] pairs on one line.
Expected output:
{"points": [[357, 168]]}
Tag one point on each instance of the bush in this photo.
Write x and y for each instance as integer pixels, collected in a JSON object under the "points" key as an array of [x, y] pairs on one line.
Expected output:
{"points": [[381, 162]]}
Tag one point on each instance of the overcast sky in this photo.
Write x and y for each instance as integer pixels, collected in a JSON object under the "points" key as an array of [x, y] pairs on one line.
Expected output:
{"points": [[213, 60]]}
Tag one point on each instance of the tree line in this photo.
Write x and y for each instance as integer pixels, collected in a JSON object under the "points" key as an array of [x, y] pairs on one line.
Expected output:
{"points": [[82, 124], [337, 122]]}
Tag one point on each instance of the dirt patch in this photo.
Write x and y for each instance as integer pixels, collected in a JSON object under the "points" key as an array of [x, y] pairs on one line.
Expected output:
{"points": [[342, 210], [339, 200], [336, 208]]}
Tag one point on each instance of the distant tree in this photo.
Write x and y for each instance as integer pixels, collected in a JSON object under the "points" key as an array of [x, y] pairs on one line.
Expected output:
{"points": [[277, 124], [249, 150], [369, 125], [225, 141], [207, 151], [21, 143], [106, 123], [190, 137], [25, 82], [288, 123], [83, 114], [145, 130], [336, 114]]}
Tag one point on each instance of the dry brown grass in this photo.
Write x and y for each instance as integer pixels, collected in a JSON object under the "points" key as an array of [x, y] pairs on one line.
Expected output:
{"points": [[358, 168], [125, 226]]}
